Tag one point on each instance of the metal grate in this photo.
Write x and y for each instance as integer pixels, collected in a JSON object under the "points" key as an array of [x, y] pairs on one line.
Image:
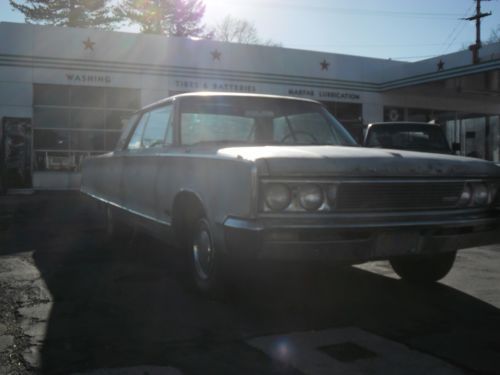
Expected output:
{"points": [[398, 195]]}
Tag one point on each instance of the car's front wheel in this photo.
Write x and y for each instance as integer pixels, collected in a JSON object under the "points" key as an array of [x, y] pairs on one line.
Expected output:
{"points": [[423, 268], [204, 260]]}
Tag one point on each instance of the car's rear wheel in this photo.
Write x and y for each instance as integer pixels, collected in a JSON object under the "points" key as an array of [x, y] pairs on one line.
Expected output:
{"points": [[205, 263], [423, 268]]}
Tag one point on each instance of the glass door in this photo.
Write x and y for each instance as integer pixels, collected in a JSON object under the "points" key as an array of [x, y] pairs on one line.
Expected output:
{"points": [[16, 153]]}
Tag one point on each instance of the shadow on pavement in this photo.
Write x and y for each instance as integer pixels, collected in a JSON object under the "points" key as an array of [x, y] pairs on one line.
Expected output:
{"points": [[121, 303]]}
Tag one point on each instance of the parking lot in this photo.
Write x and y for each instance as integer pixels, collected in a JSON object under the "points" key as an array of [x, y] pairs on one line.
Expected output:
{"points": [[76, 302]]}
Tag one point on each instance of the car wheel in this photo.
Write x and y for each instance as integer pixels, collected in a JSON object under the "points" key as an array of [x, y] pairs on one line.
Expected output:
{"points": [[205, 262], [424, 268]]}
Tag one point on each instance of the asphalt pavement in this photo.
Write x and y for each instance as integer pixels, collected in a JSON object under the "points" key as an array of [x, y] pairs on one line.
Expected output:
{"points": [[76, 302]]}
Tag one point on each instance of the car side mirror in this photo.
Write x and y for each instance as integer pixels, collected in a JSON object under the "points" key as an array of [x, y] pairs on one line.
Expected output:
{"points": [[455, 146]]}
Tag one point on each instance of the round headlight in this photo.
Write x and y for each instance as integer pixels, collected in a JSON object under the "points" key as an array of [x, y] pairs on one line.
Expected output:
{"points": [[331, 194], [480, 194], [311, 197], [466, 196], [277, 196]]}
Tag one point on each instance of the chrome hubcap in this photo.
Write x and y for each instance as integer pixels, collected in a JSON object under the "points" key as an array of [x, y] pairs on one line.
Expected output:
{"points": [[203, 255]]}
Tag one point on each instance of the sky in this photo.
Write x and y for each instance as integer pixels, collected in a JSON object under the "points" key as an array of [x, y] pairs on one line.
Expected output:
{"points": [[406, 30]]}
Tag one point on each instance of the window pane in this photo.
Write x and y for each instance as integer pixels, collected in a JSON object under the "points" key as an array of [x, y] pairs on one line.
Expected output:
{"points": [[394, 114], [51, 118], [51, 140], [51, 95], [135, 140], [111, 140], [348, 112], [87, 140], [154, 134], [87, 119], [87, 97], [116, 120], [122, 98]]}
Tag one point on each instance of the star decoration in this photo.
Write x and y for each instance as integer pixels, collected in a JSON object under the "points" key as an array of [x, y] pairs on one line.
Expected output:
{"points": [[216, 54], [440, 65], [88, 44], [324, 64]]}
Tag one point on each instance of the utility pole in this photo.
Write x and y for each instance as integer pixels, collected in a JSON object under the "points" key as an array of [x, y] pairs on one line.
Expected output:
{"points": [[477, 17]]}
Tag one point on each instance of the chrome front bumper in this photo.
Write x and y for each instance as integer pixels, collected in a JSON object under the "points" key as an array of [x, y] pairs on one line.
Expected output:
{"points": [[359, 238]]}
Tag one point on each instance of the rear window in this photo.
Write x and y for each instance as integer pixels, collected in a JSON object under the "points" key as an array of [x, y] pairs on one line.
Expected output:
{"points": [[413, 137]]}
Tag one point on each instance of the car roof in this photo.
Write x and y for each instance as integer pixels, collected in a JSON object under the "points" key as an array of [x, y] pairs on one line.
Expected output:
{"points": [[202, 94]]}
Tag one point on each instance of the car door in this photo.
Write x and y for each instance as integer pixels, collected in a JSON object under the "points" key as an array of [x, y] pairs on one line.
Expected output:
{"points": [[142, 158]]}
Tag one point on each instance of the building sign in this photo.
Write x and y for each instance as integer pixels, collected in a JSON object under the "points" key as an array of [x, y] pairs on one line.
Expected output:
{"points": [[324, 94], [88, 78], [215, 86]]}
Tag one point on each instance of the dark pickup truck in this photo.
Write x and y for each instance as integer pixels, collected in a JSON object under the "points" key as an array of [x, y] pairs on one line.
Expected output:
{"points": [[414, 136]]}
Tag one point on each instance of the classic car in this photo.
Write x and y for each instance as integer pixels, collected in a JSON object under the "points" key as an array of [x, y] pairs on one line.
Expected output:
{"points": [[233, 179], [415, 136]]}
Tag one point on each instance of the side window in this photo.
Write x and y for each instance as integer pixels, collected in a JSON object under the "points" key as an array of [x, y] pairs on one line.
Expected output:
{"points": [[135, 141], [158, 128]]}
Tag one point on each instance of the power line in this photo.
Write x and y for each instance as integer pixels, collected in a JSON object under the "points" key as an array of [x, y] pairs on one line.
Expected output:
{"points": [[353, 11], [450, 36], [477, 17]]}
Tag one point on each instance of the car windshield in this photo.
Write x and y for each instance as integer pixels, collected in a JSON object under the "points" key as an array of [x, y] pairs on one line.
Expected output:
{"points": [[408, 137], [263, 121]]}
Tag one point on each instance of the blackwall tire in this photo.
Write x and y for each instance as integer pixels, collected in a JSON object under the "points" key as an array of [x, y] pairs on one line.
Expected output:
{"points": [[205, 262], [424, 268]]}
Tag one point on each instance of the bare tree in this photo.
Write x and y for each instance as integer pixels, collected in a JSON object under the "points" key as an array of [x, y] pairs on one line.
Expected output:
{"points": [[237, 30], [494, 36], [168, 17]]}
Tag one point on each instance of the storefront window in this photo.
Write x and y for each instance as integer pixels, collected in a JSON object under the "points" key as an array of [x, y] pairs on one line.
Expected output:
{"points": [[115, 120], [87, 119], [51, 139], [51, 95], [87, 97], [394, 114], [49, 117], [350, 116], [122, 98], [73, 122]]}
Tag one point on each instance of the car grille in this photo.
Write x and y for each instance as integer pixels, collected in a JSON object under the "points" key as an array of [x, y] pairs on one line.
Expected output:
{"points": [[398, 195]]}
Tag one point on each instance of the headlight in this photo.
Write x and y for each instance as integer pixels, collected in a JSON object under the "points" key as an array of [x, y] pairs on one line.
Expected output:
{"points": [[311, 197], [466, 196], [480, 194], [277, 196]]}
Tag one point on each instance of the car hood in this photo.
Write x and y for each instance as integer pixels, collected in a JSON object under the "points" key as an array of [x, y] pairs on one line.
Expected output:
{"points": [[358, 161]]}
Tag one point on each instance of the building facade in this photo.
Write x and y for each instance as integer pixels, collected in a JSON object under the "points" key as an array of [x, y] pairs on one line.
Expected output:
{"points": [[65, 92]]}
